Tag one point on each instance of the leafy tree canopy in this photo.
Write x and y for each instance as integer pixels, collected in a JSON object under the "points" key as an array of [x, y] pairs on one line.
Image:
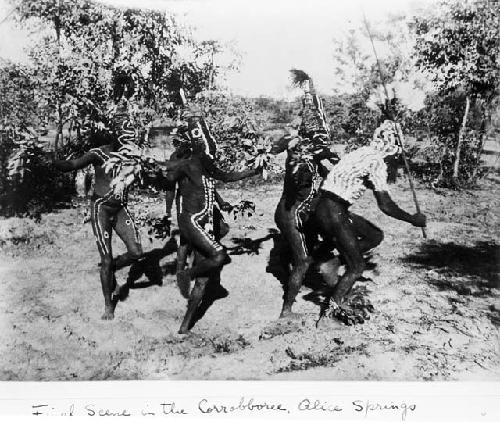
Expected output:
{"points": [[458, 47]]}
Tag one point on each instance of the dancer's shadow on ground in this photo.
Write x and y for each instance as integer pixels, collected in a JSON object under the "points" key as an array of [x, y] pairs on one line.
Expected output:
{"points": [[279, 265], [214, 291], [247, 245], [150, 266], [280, 257], [468, 270]]}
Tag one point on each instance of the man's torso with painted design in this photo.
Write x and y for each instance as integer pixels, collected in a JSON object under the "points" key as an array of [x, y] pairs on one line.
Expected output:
{"points": [[356, 171], [196, 189], [103, 180], [302, 179]]}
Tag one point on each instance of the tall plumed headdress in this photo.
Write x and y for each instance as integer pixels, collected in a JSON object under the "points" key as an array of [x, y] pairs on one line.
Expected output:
{"points": [[385, 139], [314, 125]]}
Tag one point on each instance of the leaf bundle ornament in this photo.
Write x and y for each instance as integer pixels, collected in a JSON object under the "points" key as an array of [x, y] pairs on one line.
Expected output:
{"points": [[243, 208], [257, 154], [127, 166], [305, 149], [158, 227]]}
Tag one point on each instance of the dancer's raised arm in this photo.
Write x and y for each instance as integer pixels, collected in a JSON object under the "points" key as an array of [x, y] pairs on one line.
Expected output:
{"points": [[90, 157], [217, 173]]}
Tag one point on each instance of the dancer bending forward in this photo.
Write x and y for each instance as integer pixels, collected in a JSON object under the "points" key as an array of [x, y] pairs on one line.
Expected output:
{"points": [[355, 172]]}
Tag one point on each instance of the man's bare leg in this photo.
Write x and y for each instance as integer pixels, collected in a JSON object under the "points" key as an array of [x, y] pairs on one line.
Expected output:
{"points": [[194, 301], [333, 220], [286, 220], [126, 230], [101, 216], [184, 283], [108, 284]]}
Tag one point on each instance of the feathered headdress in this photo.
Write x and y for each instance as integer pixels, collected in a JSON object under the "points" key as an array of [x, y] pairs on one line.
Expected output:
{"points": [[299, 78], [196, 132], [313, 125]]}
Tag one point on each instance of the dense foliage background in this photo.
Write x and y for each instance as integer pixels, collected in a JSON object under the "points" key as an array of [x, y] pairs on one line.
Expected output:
{"points": [[62, 97]]}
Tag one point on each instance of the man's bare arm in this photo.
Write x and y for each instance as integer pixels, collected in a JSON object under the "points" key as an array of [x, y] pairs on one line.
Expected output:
{"points": [[223, 176], [389, 207], [170, 190], [76, 164]]}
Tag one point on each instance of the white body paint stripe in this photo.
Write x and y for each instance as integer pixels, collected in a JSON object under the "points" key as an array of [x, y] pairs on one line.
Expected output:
{"points": [[206, 210], [99, 231], [136, 232], [304, 203]]}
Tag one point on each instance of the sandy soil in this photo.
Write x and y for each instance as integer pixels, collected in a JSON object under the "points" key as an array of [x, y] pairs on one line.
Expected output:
{"points": [[436, 304]]}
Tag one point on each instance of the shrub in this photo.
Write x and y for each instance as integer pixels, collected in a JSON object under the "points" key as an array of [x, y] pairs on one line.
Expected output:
{"points": [[29, 185]]}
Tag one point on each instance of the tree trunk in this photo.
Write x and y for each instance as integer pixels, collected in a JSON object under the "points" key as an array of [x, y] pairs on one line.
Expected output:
{"points": [[460, 139], [59, 135], [480, 149], [441, 163], [116, 39], [116, 52], [486, 131], [57, 27], [211, 74]]}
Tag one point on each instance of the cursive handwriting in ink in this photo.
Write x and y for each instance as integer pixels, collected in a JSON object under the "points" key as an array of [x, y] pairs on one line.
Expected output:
{"points": [[367, 407], [43, 409], [170, 409], [318, 405], [37, 408], [147, 412], [91, 411], [205, 406]]}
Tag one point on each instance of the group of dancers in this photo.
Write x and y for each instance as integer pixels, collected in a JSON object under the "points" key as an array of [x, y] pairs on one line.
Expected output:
{"points": [[312, 214]]}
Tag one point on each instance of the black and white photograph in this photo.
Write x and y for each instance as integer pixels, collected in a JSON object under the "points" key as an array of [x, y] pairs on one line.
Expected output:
{"points": [[266, 190]]}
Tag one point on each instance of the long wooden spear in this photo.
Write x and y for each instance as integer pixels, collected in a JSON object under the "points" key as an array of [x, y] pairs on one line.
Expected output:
{"points": [[399, 132]]}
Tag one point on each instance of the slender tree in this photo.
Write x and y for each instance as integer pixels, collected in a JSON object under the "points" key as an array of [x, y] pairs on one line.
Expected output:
{"points": [[458, 48]]}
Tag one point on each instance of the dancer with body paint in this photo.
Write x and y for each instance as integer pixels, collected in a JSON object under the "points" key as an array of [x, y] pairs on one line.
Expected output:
{"points": [[357, 171], [108, 208], [304, 170], [195, 178], [220, 227]]}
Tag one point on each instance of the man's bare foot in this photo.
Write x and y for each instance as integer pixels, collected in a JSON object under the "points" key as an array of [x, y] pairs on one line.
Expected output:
{"points": [[179, 336], [183, 332], [290, 315], [184, 283], [109, 313]]}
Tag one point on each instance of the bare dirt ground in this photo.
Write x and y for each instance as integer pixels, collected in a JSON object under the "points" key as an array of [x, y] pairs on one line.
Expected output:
{"points": [[436, 304]]}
